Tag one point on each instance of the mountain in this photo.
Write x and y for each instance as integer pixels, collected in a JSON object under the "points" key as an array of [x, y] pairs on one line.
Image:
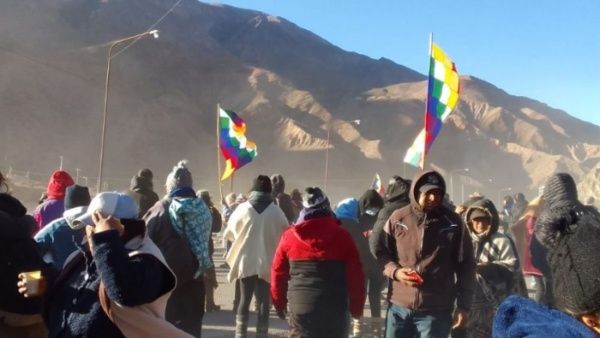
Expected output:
{"points": [[289, 84]]}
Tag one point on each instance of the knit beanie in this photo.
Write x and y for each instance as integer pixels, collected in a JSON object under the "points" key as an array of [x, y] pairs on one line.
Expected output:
{"points": [[315, 198], [278, 184], [146, 173], [572, 235], [77, 196], [59, 181], [179, 177], [262, 183]]}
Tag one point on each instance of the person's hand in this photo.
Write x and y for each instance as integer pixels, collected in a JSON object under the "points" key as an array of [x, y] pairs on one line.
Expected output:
{"points": [[281, 314], [106, 223], [459, 318], [101, 224], [403, 275], [24, 290]]}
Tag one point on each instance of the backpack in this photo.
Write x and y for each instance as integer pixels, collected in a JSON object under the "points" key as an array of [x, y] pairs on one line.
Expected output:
{"points": [[174, 247]]}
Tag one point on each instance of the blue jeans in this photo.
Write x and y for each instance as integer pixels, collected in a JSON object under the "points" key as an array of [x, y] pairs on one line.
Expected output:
{"points": [[404, 322]]}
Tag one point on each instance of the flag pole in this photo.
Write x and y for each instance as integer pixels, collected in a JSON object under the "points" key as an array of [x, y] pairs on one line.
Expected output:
{"points": [[424, 154], [231, 182], [219, 184]]}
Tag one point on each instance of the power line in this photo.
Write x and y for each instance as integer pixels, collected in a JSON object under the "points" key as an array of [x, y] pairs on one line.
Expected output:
{"points": [[149, 28]]}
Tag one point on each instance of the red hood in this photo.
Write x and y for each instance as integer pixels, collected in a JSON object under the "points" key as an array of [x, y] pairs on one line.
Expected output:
{"points": [[317, 233]]}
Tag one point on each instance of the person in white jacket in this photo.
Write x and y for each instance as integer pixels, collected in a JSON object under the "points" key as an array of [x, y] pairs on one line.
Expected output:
{"points": [[254, 229]]}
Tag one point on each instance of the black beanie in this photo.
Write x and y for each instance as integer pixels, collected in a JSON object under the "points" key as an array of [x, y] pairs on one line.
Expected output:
{"points": [[572, 235], [262, 183], [77, 196]]}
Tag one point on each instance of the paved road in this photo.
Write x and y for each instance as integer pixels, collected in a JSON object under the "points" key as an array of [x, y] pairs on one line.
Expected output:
{"points": [[221, 324]]}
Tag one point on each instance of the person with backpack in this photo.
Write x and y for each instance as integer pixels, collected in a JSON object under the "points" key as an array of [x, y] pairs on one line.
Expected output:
{"points": [[19, 317], [496, 272], [180, 225]]}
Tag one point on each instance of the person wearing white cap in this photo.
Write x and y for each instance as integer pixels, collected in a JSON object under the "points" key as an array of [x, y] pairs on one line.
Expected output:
{"points": [[116, 285]]}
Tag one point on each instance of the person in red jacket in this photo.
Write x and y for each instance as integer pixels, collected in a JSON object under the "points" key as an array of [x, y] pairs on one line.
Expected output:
{"points": [[319, 263]]}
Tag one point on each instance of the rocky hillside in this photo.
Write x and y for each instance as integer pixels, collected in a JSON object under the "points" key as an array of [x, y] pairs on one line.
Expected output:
{"points": [[290, 85]]}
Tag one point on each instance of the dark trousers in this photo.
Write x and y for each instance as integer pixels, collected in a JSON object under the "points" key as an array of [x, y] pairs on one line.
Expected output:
{"points": [[375, 285], [249, 287], [319, 324], [185, 308]]}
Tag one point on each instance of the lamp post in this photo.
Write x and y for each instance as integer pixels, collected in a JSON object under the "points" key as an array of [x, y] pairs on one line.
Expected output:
{"points": [[153, 33], [452, 182], [354, 122]]}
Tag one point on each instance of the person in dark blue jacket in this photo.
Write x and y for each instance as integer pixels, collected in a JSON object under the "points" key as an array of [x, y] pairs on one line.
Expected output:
{"points": [[118, 256]]}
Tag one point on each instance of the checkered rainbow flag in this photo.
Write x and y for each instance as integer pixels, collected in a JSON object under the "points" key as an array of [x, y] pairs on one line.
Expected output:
{"points": [[442, 95]]}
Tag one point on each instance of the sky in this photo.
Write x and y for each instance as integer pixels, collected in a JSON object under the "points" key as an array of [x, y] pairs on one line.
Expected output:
{"points": [[546, 50]]}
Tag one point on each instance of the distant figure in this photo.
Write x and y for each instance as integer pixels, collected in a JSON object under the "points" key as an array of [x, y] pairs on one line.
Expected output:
{"points": [[283, 200], [254, 229], [520, 205], [142, 190], [522, 230], [317, 270], [571, 233], [210, 277], [370, 205], [296, 201], [53, 207], [58, 239], [507, 217], [425, 250], [180, 225], [4, 188]]}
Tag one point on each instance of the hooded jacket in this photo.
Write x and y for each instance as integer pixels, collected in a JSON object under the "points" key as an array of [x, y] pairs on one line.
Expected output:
{"points": [[283, 200], [396, 198], [254, 236], [369, 206], [141, 191], [347, 212], [496, 257], [520, 317], [317, 269], [437, 245]]}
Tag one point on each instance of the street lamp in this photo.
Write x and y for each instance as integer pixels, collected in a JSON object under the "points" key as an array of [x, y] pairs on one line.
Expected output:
{"points": [[154, 34], [452, 181], [354, 122]]}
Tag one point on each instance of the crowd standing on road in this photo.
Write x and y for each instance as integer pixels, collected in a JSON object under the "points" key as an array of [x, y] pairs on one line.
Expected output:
{"points": [[132, 264]]}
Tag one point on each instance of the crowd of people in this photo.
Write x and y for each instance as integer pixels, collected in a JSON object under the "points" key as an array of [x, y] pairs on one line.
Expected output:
{"points": [[133, 264]]}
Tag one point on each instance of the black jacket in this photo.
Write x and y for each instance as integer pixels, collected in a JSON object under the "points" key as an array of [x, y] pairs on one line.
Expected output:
{"points": [[18, 253], [74, 303], [141, 191], [396, 198]]}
